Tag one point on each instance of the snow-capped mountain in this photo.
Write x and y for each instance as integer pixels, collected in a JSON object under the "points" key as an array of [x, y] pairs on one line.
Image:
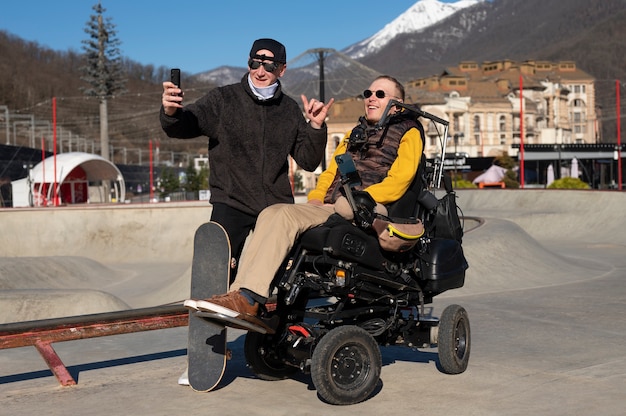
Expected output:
{"points": [[418, 17]]}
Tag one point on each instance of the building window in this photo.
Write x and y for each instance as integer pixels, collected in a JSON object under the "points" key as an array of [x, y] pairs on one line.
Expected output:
{"points": [[502, 123], [476, 124]]}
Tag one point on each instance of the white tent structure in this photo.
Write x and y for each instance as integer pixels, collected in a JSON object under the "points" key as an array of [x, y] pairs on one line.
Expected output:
{"points": [[550, 175], [80, 178], [492, 175], [574, 168]]}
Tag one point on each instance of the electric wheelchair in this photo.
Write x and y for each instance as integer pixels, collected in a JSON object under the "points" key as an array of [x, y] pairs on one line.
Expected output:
{"points": [[339, 296]]}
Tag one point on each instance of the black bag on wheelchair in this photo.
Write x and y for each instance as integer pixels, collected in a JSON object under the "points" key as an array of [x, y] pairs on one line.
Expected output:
{"points": [[442, 219], [446, 222], [443, 265]]}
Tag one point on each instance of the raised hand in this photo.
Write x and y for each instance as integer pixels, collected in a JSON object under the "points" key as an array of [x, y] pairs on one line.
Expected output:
{"points": [[316, 111]]}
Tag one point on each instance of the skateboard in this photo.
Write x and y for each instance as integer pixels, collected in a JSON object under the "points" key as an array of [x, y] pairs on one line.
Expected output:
{"points": [[210, 274]]}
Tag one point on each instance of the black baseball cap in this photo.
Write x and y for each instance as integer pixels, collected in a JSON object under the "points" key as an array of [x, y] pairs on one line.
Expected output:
{"points": [[277, 48]]}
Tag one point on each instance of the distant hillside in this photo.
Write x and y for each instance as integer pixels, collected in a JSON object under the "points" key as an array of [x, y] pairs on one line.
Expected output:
{"points": [[511, 29], [33, 75]]}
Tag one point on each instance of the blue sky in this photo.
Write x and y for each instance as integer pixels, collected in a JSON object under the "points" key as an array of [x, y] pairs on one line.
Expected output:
{"points": [[198, 35]]}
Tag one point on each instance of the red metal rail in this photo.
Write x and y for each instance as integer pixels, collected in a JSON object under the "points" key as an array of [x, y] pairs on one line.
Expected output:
{"points": [[42, 333]]}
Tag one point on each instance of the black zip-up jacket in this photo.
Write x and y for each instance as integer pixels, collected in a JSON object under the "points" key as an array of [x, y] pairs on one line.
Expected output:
{"points": [[249, 141]]}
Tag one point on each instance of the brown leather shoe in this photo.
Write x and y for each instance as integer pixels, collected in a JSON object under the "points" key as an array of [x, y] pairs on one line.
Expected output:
{"points": [[232, 304]]}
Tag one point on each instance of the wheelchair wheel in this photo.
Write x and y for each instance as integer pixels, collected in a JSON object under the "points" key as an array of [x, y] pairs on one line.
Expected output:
{"points": [[454, 340], [261, 357], [346, 365]]}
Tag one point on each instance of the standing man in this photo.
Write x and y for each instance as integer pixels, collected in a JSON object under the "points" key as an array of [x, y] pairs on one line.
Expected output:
{"points": [[252, 128]]}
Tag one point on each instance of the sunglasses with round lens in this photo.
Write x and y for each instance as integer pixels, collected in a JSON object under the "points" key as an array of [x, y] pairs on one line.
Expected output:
{"points": [[268, 66], [379, 94]]}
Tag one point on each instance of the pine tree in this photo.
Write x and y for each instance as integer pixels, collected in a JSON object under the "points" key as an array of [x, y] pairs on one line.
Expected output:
{"points": [[103, 69]]}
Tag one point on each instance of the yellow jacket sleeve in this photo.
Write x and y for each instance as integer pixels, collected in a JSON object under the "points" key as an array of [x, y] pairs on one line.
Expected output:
{"points": [[326, 178]]}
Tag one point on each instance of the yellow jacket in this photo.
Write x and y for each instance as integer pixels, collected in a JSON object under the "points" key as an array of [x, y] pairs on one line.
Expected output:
{"points": [[398, 178]]}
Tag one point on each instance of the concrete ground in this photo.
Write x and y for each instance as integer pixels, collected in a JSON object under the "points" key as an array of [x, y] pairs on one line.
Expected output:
{"points": [[545, 293]]}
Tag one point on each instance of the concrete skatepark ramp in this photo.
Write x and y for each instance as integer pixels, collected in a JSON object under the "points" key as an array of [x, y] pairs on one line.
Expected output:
{"points": [[545, 293], [90, 259]]}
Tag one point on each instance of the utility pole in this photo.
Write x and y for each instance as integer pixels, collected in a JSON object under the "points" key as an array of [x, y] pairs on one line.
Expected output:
{"points": [[322, 95]]}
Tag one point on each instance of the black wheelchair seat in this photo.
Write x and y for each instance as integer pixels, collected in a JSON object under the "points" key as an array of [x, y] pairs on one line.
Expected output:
{"points": [[342, 239]]}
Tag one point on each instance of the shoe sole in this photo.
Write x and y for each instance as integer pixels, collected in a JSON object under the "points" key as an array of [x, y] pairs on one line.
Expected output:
{"points": [[190, 304], [203, 305]]}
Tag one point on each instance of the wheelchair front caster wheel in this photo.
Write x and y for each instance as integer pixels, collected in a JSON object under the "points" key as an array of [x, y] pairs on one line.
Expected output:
{"points": [[453, 342], [346, 365]]}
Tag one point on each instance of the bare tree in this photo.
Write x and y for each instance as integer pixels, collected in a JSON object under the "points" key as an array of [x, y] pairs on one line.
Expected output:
{"points": [[103, 68]]}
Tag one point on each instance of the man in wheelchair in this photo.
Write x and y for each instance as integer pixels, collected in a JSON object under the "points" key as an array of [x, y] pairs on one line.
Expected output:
{"points": [[386, 158]]}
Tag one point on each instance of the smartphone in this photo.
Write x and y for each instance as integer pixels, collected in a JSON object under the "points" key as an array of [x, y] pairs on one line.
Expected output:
{"points": [[175, 77], [347, 169]]}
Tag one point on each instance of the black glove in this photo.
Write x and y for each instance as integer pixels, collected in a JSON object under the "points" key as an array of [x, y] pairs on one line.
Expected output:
{"points": [[364, 213]]}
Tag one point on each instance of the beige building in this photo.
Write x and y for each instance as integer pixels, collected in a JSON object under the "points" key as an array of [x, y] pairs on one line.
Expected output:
{"points": [[482, 103]]}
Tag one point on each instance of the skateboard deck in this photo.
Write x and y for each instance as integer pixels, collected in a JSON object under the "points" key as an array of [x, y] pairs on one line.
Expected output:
{"points": [[210, 274]]}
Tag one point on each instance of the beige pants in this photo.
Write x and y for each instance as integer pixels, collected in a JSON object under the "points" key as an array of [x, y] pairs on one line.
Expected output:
{"points": [[276, 231]]}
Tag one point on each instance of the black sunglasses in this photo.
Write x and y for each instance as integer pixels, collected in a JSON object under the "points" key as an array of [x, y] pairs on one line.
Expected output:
{"points": [[379, 94], [268, 66]]}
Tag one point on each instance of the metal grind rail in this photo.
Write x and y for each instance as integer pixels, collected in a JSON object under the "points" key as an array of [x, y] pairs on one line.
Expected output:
{"points": [[42, 333]]}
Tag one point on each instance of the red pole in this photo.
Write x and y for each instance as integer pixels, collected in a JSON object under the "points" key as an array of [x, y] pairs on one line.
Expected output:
{"points": [[619, 139], [151, 175], [55, 196], [521, 131], [43, 168]]}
